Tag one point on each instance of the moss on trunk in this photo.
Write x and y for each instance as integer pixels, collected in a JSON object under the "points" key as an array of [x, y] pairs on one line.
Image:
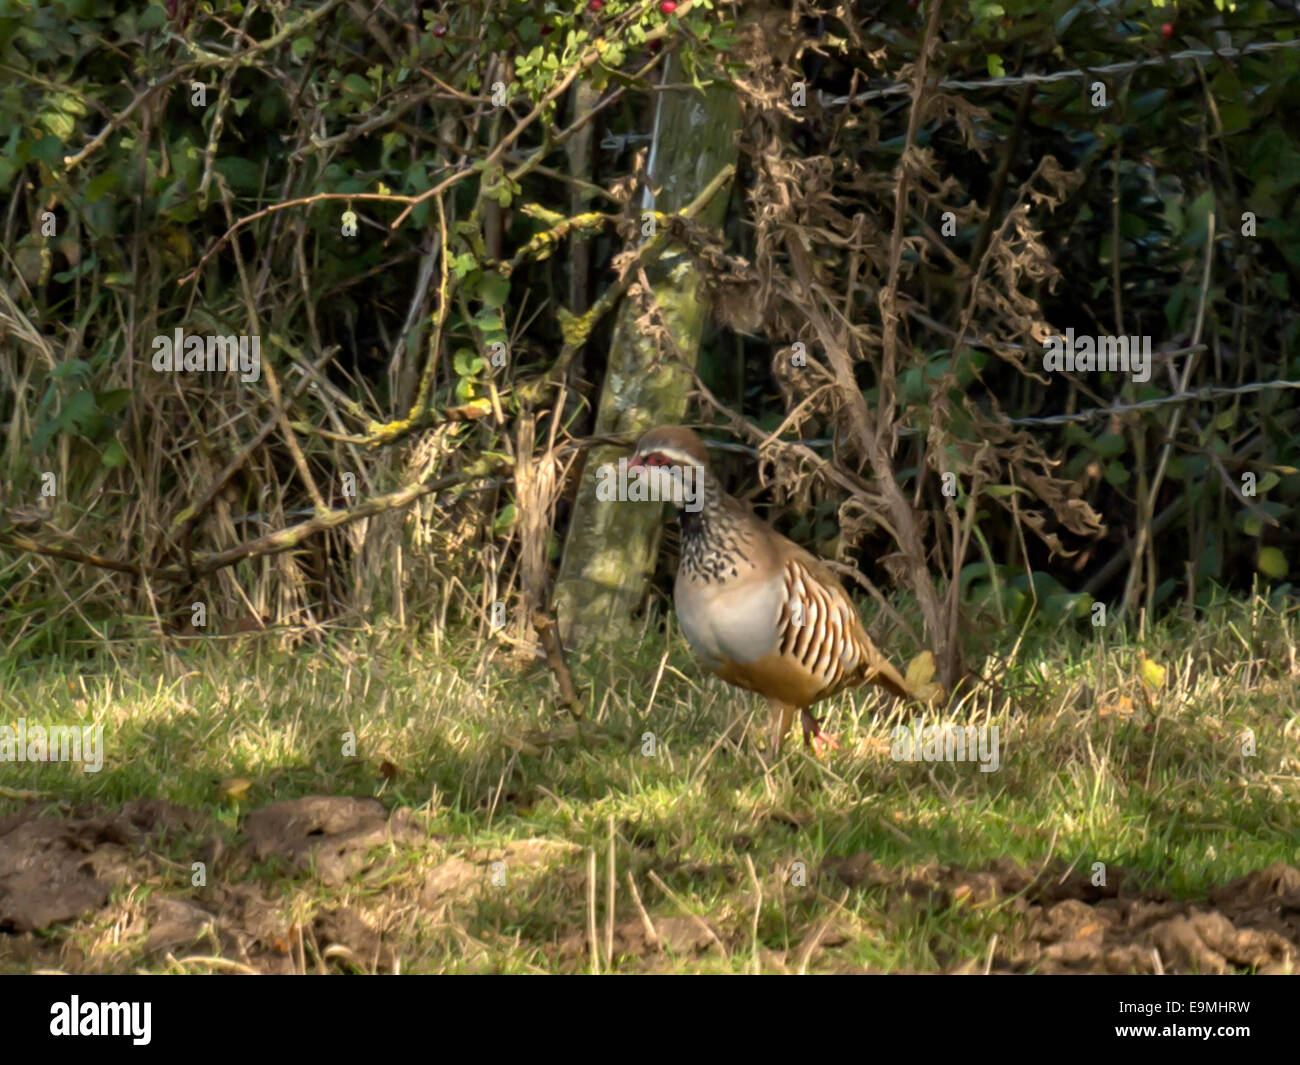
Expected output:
{"points": [[610, 549]]}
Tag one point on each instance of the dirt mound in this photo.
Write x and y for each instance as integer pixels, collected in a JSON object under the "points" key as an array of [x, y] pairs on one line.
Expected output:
{"points": [[54, 869], [57, 869], [332, 833], [1072, 925], [461, 876]]}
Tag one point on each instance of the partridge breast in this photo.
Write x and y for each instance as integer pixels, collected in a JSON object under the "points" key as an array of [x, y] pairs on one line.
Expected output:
{"points": [[734, 621]]}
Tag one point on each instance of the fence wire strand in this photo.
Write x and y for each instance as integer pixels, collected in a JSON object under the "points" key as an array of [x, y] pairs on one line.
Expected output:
{"points": [[903, 88], [1208, 392]]}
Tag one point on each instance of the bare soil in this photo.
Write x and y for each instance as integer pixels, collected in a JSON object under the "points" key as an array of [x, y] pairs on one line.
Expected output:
{"points": [[91, 870]]}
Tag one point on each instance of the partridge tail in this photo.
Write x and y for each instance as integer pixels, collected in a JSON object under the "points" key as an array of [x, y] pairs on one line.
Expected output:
{"points": [[887, 677], [880, 671]]}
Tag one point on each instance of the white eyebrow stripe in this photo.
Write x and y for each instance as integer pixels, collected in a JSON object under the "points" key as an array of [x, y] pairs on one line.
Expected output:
{"points": [[678, 458]]}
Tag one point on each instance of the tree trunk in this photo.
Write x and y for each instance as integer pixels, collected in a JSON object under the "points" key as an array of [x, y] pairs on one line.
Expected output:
{"points": [[610, 549]]}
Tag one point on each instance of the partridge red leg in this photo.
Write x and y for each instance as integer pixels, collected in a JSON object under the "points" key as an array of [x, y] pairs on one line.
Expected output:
{"points": [[814, 737]]}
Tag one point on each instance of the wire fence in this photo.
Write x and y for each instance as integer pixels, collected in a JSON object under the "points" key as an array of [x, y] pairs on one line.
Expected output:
{"points": [[1082, 416], [903, 88], [1208, 392], [965, 84]]}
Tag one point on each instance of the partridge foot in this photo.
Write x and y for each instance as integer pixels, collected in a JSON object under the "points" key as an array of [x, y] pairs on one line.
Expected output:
{"points": [[815, 738]]}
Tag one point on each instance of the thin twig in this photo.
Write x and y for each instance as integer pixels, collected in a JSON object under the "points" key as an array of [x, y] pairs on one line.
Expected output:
{"points": [[888, 298], [187, 517], [651, 933], [609, 898], [681, 905], [274, 543], [302, 201], [758, 907], [1149, 502], [591, 911]]}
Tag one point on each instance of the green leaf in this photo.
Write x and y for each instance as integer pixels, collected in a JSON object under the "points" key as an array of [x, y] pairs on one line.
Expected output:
{"points": [[114, 400], [243, 175], [71, 370], [113, 455], [494, 290], [59, 123], [86, 266], [1272, 563], [80, 414], [102, 184], [505, 519], [466, 362], [357, 85], [49, 150], [1108, 445], [488, 321]]}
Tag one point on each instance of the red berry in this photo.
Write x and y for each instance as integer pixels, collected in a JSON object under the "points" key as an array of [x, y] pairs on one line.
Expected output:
{"points": [[595, 5], [546, 31], [1167, 30], [440, 30], [668, 6]]}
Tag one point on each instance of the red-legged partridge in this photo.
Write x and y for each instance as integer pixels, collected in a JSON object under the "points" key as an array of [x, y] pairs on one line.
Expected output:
{"points": [[759, 610]]}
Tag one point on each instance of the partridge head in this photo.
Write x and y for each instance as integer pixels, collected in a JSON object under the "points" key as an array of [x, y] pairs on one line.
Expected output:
{"points": [[758, 610]]}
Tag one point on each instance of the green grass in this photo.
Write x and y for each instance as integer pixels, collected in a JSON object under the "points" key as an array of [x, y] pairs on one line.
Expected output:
{"points": [[483, 761]]}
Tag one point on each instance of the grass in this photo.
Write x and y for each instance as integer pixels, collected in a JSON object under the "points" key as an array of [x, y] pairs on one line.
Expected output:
{"points": [[727, 853]]}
